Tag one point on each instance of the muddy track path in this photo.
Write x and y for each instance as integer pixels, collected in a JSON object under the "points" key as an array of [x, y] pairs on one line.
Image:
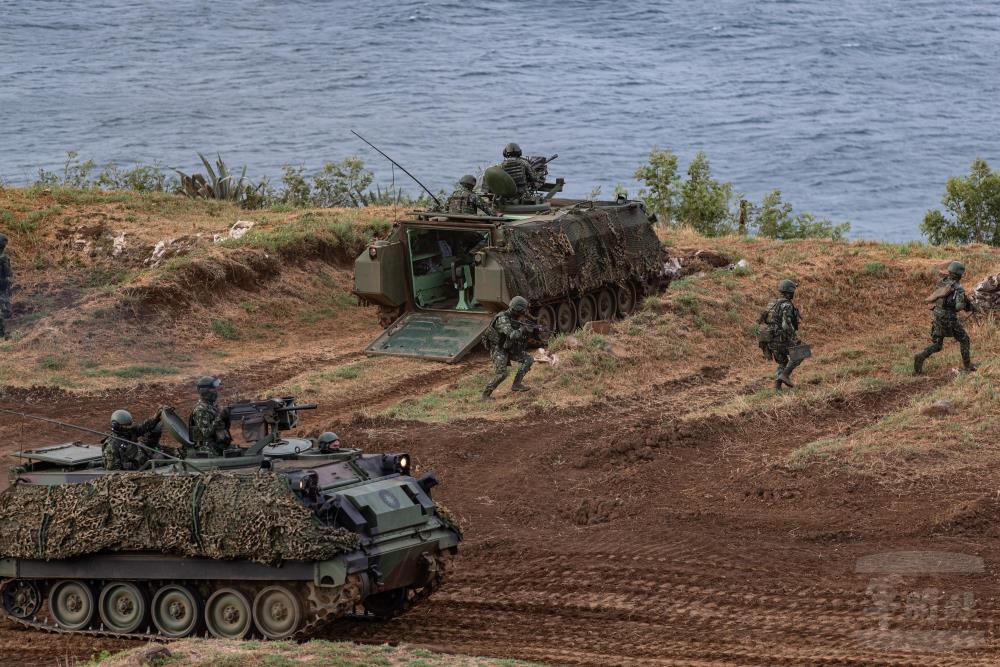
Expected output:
{"points": [[645, 531], [698, 551]]}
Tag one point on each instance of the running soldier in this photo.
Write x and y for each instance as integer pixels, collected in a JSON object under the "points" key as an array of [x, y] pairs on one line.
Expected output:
{"points": [[948, 299], [505, 339]]}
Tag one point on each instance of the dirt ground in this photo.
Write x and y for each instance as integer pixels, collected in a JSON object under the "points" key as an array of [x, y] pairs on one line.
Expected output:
{"points": [[666, 509]]}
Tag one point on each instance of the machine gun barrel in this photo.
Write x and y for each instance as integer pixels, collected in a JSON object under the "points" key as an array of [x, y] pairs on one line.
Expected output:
{"points": [[304, 406]]}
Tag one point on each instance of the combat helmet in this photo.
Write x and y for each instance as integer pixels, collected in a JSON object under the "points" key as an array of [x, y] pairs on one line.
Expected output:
{"points": [[120, 418], [518, 304], [467, 181], [956, 268], [512, 150], [208, 382], [787, 286], [3, 242], [326, 439]]}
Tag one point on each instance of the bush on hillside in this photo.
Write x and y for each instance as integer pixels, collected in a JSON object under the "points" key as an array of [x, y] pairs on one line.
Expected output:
{"points": [[972, 209], [773, 219], [701, 201]]}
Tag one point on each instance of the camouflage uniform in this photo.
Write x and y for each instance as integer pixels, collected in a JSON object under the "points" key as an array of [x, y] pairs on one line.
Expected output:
{"points": [[505, 343], [523, 174], [208, 427], [945, 323], [6, 276], [468, 202], [121, 455], [782, 319]]}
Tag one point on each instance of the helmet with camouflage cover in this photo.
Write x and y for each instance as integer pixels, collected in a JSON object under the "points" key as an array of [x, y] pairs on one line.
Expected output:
{"points": [[512, 150], [519, 304], [120, 418], [468, 181], [3, 242], [956, 268], [787, 286]]}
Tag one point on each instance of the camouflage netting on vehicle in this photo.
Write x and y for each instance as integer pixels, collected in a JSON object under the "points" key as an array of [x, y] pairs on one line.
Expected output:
{"points": [[217, 515], [986, 296], [450, 518], [580, 251]]}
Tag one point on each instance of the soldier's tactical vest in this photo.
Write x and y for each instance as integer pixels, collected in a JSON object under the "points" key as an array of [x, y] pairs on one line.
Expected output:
{"points": [[460, 202], [491, 337], [515, 169], [771, 319]]}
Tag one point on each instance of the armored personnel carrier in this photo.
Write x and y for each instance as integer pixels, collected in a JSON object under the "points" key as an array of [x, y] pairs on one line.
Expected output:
{"points": [[278, 540], [439, 278]]}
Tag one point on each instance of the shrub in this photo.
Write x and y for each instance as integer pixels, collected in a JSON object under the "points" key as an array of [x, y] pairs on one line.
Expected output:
{"points": [[972, 209], [660, 176], [705, 202], [774, 220]]}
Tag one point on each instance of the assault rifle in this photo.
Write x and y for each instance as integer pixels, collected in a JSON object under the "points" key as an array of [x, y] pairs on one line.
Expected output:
{"points": [[533, 331]]}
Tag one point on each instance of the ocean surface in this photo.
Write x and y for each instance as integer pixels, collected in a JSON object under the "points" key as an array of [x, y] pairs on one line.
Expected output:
{"points": [[857, 110]]}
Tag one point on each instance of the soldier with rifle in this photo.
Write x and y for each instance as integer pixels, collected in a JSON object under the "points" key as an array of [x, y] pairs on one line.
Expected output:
{"points": [[521, 171], [947, 300], [779, 334], [6, 276], [505, 340], [208, 425]]}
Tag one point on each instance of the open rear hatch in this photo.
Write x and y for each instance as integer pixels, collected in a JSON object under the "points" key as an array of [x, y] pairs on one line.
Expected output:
{"points": [[441, 335]]}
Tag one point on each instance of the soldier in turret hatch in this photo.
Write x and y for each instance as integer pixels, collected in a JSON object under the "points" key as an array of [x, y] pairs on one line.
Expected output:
{"points": [[120, 450], [6, 276], [948, 299], [208, 425], [465, 200], [520, 170]]}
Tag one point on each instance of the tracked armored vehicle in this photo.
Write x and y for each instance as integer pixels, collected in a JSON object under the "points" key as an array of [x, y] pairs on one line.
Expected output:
{"points": [[439, 278], [276, 543]]}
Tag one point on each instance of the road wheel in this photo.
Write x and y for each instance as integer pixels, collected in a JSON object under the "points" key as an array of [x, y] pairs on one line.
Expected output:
{"points": [[607, 304], [176, 611], [566, 316], [71, 604], [227, 614], [626, 299], [546, 318], [277, 612], [22, 599], [123, 606], [585, 310]]}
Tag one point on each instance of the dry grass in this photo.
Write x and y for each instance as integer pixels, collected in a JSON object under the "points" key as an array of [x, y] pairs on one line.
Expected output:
{"points": [[216, 653]]}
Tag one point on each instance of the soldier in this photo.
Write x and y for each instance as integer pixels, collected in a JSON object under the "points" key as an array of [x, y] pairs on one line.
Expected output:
{"points": [[465, 200], [120, 449], [328, 441], [781, 320], [208, 426], [6, 276], [505, 340], [524, 175], [948, 298]]}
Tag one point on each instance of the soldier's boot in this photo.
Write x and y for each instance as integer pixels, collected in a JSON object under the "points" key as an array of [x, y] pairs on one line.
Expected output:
{"points": [[518, 384], [777, 386], [783, 378], [967, 364], [487, 394], [918, 363]]}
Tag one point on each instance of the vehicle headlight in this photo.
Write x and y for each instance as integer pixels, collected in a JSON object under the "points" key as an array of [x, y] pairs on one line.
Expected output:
{"points": [[372, 251]]}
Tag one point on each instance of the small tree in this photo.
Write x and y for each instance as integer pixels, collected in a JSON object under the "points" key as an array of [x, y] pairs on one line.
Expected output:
{"points": [[705, 202], [660, 176], [972, 209], [342, 183], [774, 220]]}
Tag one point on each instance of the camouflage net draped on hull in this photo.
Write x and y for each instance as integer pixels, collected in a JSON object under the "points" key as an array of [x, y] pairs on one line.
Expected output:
{"points": [[580, 251], [217, 515]]}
